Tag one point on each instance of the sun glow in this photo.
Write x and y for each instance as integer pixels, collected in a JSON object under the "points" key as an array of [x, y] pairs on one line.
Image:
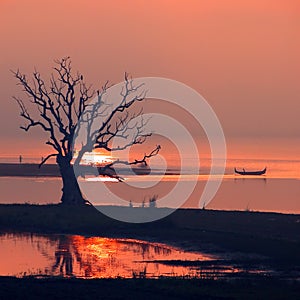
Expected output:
{"points": [[95, 158]]}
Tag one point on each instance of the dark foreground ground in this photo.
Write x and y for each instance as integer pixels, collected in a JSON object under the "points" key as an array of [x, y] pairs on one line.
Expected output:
{"points": [[54, 288], [266, 239]]}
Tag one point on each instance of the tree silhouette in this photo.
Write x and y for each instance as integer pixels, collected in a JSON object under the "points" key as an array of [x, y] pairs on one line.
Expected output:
{"points": [[67, 104]]}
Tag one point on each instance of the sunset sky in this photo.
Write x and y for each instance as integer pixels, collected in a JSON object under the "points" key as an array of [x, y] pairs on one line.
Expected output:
{"points": [[242, 56]]}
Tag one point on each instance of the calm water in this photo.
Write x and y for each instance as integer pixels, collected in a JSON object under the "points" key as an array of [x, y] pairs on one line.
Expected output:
{"points": [[92, 257], [27, 254], [278, 190]]}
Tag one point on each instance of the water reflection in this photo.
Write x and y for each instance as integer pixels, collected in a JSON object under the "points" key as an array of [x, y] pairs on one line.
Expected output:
{"points": [[26, 254], [63, 257], [91, 257]]}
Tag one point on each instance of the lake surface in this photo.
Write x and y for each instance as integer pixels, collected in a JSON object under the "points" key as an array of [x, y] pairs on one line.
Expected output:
{"points": [[278, 190], [278, 195]]}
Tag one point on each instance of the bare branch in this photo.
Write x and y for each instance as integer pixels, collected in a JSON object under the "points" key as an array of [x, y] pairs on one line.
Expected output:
{"points": [[138, 161], [108, 170], [46, 158]]}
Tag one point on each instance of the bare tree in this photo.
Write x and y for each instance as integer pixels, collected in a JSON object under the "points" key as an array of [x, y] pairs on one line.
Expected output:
{"points": [[67, 104]]}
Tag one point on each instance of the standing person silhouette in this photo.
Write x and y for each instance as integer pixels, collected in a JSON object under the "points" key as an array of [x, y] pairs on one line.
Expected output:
{"points": [[20, 159]]}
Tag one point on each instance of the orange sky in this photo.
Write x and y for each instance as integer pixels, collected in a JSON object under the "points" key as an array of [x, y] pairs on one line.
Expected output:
{"points": [[242, 56]]}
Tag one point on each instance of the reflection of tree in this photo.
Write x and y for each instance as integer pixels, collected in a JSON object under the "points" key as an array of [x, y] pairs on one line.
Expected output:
{"points": [[63, 257], [145, 249], [103, 257], [70, 254]]}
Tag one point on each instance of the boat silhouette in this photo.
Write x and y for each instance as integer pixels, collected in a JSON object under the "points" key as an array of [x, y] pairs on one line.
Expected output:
{"points": [[244, 172]]}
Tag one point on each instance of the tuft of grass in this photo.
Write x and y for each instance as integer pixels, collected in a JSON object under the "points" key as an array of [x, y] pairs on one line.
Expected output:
{"points": [[152, 201]]}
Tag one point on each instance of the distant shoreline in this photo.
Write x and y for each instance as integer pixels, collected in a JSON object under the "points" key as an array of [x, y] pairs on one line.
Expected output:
{"points": [[52, 170], [29, 169]]}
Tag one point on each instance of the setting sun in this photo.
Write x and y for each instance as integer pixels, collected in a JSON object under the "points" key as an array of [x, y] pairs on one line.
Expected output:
{"points": [[95, 158]]}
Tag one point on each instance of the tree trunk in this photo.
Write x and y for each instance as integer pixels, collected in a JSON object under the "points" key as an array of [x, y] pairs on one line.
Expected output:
{"points": [[71, 194]]}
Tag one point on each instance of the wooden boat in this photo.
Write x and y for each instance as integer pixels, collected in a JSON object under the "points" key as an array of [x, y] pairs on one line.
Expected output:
{"points": [[261, 172]]}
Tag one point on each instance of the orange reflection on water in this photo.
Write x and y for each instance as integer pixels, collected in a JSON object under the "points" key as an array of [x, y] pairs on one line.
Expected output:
{"points": [[91, 257], [97, 257]]}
